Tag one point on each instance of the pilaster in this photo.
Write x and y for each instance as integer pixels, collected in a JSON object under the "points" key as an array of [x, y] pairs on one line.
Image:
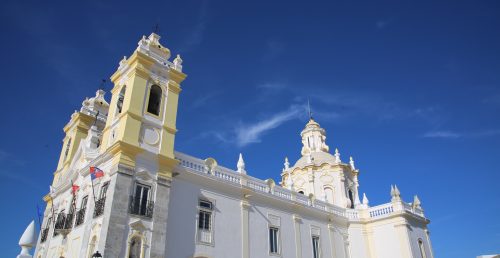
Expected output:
{"points": [[297, 220], [160, 214], [245, 210]]}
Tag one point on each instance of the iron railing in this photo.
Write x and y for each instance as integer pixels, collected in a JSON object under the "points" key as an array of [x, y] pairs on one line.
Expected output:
{"points": [[80, 217], [44, 234], [64, 222], [99, 207], [141, 207]]}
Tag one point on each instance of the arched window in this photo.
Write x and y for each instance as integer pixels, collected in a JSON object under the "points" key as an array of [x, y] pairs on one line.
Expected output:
{"points": [[329, 194], [135, 247], [121, 97], [301, 192], [351, 198], [421, 247], [154, 100]]}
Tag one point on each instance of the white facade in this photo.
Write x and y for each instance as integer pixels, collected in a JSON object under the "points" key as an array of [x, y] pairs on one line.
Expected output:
{"points": [[206, 210]]}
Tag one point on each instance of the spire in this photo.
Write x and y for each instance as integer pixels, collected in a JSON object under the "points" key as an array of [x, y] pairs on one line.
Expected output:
{"points": [[365, 200], [351, 162], [27, 241], [337, 156], [241, 165]]}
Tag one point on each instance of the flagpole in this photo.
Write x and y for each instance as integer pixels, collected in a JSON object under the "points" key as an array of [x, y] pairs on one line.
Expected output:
{"points": [[93, 193], [52, 208], [38, 215]]}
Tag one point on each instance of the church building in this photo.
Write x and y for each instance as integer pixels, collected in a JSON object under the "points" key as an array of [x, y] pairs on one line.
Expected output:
{"points": [[122, 190]]}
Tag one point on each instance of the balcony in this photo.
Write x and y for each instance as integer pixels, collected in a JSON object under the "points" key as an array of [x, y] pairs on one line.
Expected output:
{"points": [[141, 207], [44, 234], [64, 223], [80, 217], [99, 207]]}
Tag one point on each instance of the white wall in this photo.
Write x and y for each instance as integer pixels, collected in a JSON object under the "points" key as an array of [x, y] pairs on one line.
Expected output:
{"points": [[182, 224]]}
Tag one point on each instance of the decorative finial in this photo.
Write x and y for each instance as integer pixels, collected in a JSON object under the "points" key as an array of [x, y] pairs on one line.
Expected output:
{"points": [[287, 164], [396, 191], [396, 195], [241, 165], [351, 162], [337, 156], [27, 241], [178, 63], [365, 200], [416, 203]]}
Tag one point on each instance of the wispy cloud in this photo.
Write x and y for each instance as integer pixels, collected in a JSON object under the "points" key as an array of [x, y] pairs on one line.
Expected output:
{"points": [[252, 133], [454, 135], [274, 48], [196, 36], [493, 99], [272, 86], [203, 100], [442, 134]]}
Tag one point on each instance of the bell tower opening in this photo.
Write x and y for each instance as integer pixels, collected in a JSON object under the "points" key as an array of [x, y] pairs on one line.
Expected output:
{"points": [[154, 100]]}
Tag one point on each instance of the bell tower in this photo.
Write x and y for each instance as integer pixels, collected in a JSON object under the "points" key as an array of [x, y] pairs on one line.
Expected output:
{"points": [[143, 108], [138, 150]]}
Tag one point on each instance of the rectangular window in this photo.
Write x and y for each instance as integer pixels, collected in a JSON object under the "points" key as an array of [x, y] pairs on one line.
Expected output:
{"points": [[273, 240], [204, 220], [104, 189], [315, 245], [141, 199], [83, 204], [205, 229]]}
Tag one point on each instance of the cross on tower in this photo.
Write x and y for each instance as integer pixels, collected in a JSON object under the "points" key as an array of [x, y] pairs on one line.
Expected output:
{"points": [[156, 28], [309, 109], [103, 84]]}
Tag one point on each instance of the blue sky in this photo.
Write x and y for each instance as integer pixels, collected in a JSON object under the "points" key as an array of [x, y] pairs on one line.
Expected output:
{"points": [[410, 89]]}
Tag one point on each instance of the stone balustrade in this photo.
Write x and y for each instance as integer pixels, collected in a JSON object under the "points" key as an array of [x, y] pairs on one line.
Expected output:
{"points": [[226, 175]]}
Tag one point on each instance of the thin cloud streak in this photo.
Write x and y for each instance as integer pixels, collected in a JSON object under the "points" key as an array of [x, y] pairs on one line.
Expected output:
{"points": [[455, 135], [196, 36], [252, 133]]}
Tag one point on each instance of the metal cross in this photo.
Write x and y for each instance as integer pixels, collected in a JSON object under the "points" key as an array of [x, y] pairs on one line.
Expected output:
{"points": [[156, 28], [103, 84], [309, 109]]}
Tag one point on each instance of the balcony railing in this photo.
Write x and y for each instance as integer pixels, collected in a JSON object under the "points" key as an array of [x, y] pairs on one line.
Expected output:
{"points": [[80, 217], [99, 207], [64, 223], [44, 234], [141, 207]]}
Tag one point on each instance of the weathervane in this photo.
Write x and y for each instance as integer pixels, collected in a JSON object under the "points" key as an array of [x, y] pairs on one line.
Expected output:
{"points": [[309, 109]]}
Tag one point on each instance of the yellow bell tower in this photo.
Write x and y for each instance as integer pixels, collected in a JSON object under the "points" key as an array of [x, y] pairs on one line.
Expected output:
{"points": [[143, 108]]}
